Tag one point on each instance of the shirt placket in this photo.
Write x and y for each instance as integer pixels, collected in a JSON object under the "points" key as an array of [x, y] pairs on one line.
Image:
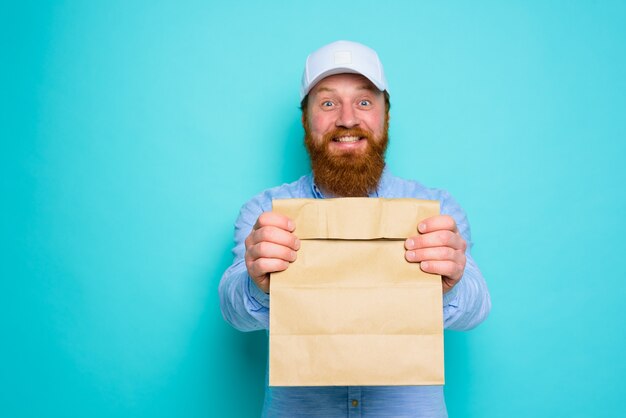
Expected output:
{"points": [[354, 401]]}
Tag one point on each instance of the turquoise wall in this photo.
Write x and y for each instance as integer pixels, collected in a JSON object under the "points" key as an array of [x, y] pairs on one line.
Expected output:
{"points": [[132, 132]]}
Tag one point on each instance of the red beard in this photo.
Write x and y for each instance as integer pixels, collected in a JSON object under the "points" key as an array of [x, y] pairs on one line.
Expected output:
{"points": [[347, 174]]}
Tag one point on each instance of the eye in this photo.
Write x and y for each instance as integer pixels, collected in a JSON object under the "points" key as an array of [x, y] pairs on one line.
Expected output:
{"points": [[364, 102], [327, 103]]}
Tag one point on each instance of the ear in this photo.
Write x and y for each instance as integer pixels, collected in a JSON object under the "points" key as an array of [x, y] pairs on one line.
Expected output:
{"points": [[304, 118]]}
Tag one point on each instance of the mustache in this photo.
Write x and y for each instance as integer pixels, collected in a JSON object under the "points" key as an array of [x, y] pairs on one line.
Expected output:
{"points": [[339, 132]]}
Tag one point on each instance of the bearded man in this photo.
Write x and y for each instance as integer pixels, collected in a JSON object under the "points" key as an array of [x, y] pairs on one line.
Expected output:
{"points": [[345, 114]]}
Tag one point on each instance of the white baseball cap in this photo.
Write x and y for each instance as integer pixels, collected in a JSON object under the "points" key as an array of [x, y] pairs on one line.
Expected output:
{"points": [[342, 57]]}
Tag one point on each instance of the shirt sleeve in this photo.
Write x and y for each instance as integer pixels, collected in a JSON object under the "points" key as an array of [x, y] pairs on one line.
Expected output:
{"points": [[468, 303], [246, 307], [243, 304]]}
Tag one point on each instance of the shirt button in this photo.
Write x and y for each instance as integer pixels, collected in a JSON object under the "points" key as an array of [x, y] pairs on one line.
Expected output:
{"points": [[355, 403]]}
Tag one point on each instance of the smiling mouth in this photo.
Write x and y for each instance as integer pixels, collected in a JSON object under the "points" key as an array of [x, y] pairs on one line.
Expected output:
{"points": [[347, 139]]}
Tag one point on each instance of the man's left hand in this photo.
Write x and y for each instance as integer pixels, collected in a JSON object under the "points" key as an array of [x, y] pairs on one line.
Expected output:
{"points": [[440, 249]]}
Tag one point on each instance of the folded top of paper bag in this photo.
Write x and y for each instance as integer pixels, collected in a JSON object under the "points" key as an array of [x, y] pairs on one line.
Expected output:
{"points": [[355, 218]]}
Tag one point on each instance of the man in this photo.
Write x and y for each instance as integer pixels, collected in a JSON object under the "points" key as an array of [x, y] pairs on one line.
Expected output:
{"points": [[345, 114]]}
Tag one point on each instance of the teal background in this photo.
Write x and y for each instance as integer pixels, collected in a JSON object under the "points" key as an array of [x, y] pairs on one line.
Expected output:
{"points": [[132, 132]]}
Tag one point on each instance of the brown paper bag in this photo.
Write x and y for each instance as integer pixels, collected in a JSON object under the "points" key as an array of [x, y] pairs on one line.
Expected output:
{"points": [[351, 311]]}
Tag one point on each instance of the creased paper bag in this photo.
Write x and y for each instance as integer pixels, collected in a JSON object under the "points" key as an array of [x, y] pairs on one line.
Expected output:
{"points": [[351, 311]]}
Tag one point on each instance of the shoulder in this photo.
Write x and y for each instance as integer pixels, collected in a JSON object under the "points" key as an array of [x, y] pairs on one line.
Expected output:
{"points": [[397, 187], [262, 202]]}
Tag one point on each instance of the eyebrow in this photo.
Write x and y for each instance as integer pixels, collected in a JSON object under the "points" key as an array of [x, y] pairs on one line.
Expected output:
{"points": [[367, 87]]}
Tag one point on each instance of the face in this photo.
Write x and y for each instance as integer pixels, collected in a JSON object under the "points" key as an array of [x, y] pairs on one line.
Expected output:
{"points": [[345, 102], [346, 134]]}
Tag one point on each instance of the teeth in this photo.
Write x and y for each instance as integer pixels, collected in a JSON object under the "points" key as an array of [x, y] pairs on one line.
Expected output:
{"points": [[347, 139]]}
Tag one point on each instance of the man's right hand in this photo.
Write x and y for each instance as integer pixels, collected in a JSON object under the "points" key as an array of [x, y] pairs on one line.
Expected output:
{"points": [[270, 247]]}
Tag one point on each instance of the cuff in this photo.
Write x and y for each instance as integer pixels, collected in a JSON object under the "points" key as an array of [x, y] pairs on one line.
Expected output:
{"points": [[257, 294]]}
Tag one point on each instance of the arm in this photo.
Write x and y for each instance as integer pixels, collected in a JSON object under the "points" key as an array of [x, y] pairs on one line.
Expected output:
{"points": [[243, 304], [443, 248], [264, 244], [468, 303]]}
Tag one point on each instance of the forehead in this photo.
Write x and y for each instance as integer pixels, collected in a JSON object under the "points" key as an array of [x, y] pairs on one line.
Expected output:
{"points": [[343, 83]]}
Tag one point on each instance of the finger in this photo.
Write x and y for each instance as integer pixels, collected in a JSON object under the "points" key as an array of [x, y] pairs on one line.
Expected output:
{"points": [[447, 283], [449, 269], [436, 223], [434, 253], [259, 268], [274, 219], [441, 238], [262, 282], [275, 235], [267, 249]]}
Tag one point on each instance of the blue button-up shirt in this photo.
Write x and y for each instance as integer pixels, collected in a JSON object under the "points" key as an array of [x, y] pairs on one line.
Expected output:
{"points": [[246, 308]]}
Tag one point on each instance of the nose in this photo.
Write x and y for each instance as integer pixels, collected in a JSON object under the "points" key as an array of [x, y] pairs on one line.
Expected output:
{"points": [[347, 118]]}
